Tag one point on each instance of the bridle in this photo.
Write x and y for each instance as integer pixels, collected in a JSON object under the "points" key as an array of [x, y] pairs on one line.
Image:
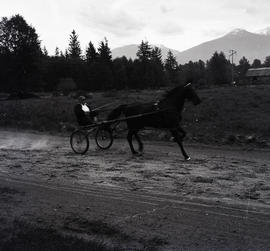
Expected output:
{"points": [[188, 84]]}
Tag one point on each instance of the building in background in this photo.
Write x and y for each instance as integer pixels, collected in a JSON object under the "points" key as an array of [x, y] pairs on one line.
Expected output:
{"points": [[256, 76]]}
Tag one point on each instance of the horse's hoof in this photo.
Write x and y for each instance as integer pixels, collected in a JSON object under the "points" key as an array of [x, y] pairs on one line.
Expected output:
{"points": [[137, 153], [187, 158]]}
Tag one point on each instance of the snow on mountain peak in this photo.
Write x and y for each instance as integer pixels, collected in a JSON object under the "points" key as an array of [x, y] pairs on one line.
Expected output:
{"points": [[161, 46], [238, 32], [265, 31]]}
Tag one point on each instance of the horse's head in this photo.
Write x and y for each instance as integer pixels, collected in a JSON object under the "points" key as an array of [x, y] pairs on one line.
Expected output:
{"points": [[179, 94], [191, 95]]}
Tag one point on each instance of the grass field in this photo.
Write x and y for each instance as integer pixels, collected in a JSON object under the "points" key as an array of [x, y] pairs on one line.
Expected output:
{"points": [[226, 115]]}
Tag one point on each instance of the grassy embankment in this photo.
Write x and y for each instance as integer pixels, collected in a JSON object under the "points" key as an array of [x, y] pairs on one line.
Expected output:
{"points": [[226, 115]]}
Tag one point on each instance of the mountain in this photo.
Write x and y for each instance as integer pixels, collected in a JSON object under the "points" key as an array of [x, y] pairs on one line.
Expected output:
{"points": [[130, 51], [250, 45]]}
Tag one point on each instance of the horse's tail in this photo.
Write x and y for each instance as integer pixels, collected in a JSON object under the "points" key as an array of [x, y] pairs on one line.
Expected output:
{"points": [[115, 113]]}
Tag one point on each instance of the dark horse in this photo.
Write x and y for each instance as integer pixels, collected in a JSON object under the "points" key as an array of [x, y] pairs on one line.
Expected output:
{"points": [[164, 114]]}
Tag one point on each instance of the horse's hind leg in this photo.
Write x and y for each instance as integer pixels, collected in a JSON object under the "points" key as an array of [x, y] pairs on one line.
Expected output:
{"points": [[129, 138], [179, 141], [139, 141], [180, 129]]}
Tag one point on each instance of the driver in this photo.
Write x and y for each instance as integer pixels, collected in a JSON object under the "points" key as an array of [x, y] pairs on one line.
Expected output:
{"points": [[85, 115]]}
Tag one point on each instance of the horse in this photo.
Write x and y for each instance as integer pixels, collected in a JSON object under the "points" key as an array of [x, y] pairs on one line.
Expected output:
{"points": [[163, 114]]}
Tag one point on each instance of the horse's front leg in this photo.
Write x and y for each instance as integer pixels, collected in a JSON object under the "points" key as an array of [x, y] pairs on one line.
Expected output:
{"points": [[179, 139], [139, 141], [129, 138]]}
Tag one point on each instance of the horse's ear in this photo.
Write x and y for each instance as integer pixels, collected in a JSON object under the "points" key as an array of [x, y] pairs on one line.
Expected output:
{"points": [[186, 85]]}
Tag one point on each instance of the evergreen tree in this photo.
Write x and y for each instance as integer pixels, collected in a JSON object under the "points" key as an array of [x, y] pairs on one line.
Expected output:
{"points": [[193, 72], [66, 55], [20, 54], [218, 68], [104, 66], [171, 68], [157, 68], [170, 62], [73, 56], [242, 67], [200, 73], [56, 53], [104, 52], [143, 66], [91, 53], [120, 66], [45, 52], [256, 63], [92, 67], [144, 52], [156, 56], [74, 48], [266, 62]]}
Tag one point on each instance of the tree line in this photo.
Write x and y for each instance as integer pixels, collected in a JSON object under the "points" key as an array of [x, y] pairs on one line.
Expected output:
{"points": [[25, 66]]}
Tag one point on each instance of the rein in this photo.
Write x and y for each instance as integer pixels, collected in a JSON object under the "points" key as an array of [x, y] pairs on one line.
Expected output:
{"points": [[104, 122], [98, 108], [132, 117]]}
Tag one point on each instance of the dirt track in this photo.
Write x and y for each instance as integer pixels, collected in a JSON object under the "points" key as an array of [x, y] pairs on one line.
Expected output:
{"points": [[217, 178]]}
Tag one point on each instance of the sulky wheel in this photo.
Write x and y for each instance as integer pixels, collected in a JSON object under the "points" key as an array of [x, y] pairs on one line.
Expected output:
{"points": [[79, 142], [104, 137]]}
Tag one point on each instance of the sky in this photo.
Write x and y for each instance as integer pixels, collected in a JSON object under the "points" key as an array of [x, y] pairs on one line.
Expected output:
{"points": [[176, 24]]}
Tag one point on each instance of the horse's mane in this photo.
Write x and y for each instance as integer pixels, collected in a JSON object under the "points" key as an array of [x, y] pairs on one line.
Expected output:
{"points": [[171, 92]]}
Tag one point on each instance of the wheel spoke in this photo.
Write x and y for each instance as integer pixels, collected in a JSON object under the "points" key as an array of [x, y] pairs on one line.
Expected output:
{"points": [[79, 142], [104, 138]]}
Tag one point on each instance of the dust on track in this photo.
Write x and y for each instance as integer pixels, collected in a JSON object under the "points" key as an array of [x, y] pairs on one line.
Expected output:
{"points": [[217, 173], [153, 197]]}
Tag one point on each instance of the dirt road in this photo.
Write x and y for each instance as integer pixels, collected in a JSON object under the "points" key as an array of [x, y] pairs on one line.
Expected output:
{"points": [[218, 200]]}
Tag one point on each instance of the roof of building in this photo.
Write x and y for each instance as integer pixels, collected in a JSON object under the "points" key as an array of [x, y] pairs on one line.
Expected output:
{"points": [[258, 72]]}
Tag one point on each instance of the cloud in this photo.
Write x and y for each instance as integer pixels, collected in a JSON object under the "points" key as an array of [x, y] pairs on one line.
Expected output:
{"points": [[176, 23], [164, 9], [251, 10], [250, 7], [267, 19], [214, 32], [170, 28], [110, 20]]}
